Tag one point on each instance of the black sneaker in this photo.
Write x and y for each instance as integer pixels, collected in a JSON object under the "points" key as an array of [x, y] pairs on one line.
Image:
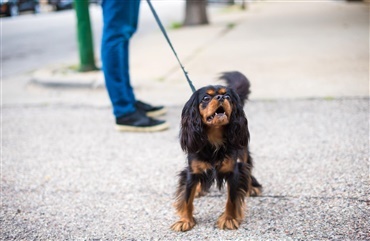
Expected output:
{"points": [[139, 122], [152, 111]]}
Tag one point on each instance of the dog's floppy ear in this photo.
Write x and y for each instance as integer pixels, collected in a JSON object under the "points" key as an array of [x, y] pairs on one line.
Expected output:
{"points": [[192, 134], [238, 123]]}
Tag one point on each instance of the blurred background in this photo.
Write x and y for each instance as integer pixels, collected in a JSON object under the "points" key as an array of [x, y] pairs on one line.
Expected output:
{"points": [[39, 33], [36, 33]]}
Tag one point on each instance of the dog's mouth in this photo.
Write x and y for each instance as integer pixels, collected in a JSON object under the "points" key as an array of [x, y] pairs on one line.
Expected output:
{"points": [[220, 112]]}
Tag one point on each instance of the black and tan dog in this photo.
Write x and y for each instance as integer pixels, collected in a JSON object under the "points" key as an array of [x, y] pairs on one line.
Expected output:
{"points": [[214, 134]]}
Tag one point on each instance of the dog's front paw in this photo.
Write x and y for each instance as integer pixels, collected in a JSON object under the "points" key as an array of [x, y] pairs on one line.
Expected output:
{"points": [[227, 222], [183, 225]]}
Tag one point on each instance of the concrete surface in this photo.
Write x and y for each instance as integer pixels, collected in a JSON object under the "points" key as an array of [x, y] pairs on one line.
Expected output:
{"points": [[68, 175]]}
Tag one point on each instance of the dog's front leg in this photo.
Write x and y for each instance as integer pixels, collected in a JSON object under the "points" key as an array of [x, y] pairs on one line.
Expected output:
{"points": [[184, 201], [197, 173], [237, 177]]}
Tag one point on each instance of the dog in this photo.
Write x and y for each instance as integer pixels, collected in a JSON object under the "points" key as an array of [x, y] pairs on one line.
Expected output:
{"points": [[214, 134]]}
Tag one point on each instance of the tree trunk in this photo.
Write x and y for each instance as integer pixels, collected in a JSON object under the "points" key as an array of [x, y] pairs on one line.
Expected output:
{"points": [[196, 12], [243, 5]]}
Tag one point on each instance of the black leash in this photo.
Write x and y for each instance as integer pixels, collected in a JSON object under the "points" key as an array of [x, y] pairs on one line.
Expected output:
{"points": [[169, 42]]}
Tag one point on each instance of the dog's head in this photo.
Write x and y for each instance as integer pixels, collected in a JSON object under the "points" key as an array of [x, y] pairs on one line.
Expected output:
{"points": [[215, 106], [213, 109]]}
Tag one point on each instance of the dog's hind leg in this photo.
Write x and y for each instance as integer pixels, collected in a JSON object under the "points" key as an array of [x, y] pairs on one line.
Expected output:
{"points": [[199, 192], [256, 187], [205, 183]]}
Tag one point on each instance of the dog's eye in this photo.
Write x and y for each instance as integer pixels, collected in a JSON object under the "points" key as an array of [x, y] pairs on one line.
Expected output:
{"points": [[206, 98], [227, 97]]}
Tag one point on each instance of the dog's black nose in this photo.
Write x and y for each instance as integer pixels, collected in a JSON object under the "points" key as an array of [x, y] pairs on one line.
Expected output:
{"points": [[219, 97]]}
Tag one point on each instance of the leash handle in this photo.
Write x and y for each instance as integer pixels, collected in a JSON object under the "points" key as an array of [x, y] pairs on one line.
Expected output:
{"points": [[169, 42]]}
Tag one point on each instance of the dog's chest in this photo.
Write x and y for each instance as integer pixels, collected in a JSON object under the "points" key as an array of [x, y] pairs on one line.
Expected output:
{"points": [[216, 137], [213, 155]]}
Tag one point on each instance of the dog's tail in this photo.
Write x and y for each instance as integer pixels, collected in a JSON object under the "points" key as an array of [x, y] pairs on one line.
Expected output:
{"points": [[238, 82]]}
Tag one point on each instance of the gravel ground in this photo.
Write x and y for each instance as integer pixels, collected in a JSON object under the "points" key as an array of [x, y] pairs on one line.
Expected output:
{"points": [[68, 175]]}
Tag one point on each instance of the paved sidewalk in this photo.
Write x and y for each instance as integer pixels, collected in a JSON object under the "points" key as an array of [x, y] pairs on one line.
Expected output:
{"points": [[288, 50], [66, 174]]}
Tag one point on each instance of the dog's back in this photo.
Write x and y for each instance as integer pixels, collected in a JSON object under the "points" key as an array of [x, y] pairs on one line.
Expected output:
{"points": [[238, 82]]}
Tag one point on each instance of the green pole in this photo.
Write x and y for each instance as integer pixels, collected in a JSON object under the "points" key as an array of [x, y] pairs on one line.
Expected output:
{"points": [[84, 36]]}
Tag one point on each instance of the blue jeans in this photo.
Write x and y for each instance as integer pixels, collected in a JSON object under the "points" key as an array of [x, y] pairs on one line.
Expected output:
{"points": [[120, 19]]}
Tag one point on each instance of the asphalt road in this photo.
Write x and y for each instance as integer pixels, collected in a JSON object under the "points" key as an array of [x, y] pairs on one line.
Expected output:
{"points": [[32, 41]]}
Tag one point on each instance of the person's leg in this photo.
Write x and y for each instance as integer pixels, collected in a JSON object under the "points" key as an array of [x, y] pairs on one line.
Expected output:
{"points": [[133, 19], [120, 22]]}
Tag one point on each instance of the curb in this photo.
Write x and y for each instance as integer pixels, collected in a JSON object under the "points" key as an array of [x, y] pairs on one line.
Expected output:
{"points": [[67, 77]]}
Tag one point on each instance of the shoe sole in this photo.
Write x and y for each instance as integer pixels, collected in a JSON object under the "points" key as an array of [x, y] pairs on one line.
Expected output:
{"points": [[156, 113], [156, 128]]}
